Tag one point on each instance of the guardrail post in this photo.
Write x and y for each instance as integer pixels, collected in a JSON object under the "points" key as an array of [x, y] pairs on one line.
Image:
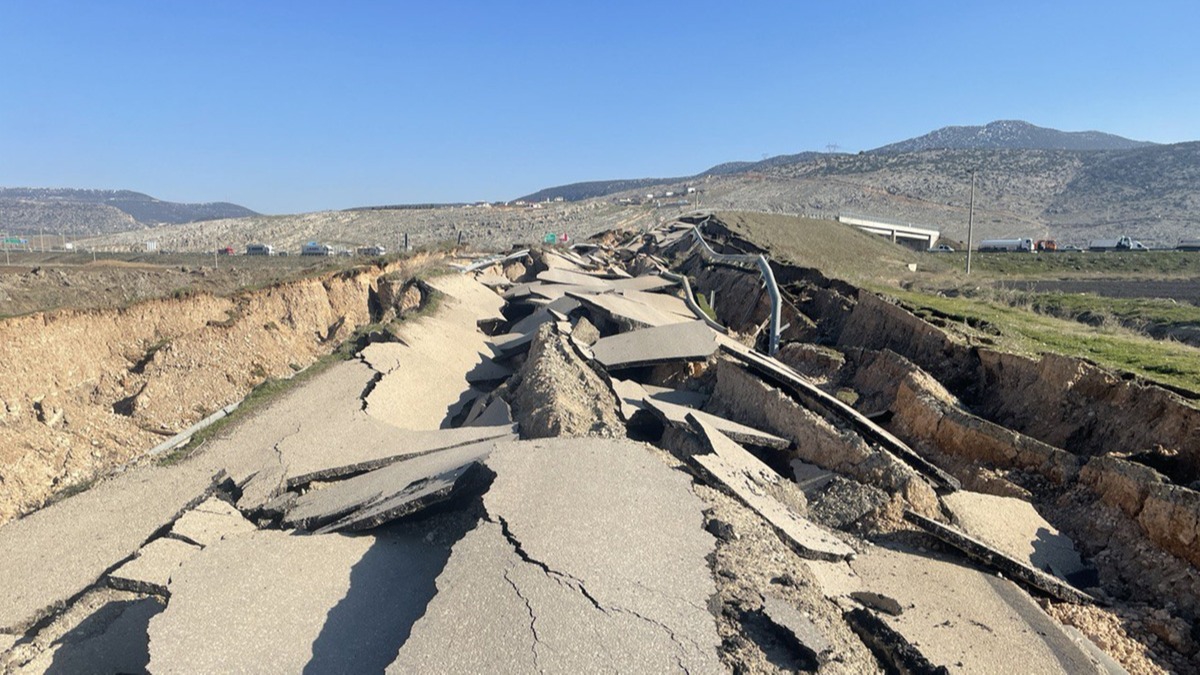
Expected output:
{"points": [[776, 305], [764, 267]]}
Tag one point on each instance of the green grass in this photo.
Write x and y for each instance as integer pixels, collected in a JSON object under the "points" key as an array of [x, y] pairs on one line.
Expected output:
{"points": [[72, 490], [835, 249], [1078, 264], [702, 302], [1126, 310], [1027, 332]]}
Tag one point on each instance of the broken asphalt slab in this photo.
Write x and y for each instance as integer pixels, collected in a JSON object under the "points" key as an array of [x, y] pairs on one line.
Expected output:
{"points": [[753, 482], [414, 498], [497, 413], [477, 622], [676, 416], [422, 376], [632, 396], [804, 635], [111, 639], [395, 484], [558, 579], [211, 520], [954, 614], [1015, 528], [365, 444], [151, 570], [631, 310], [1000, 561], [572, 278], [691, 341], [87, 535], [271, 602]]}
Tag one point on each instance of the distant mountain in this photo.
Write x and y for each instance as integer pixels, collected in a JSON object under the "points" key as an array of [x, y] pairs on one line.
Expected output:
{"points": [[1030, 181], [1010, 135], [78, 212], [999, 135], [603, 188], [574, 192]]}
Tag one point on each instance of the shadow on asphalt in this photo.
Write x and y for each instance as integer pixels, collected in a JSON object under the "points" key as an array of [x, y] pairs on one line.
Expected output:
{"points": [[390, 587]]}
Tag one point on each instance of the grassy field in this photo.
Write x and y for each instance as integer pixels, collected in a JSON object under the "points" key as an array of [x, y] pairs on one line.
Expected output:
{"points": [[1024, 331], [1150, 264], [837, 250]]}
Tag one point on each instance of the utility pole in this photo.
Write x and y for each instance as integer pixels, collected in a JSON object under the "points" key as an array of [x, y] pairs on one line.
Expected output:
{"points": [[970, 221]]}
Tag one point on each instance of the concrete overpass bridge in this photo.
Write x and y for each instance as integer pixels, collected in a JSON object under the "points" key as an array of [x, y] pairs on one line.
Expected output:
{"points": [[899, 233]]}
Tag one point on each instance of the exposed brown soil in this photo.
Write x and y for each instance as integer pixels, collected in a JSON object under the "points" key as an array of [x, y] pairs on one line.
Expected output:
{"points": [[85, 391], [1186, 290], [557, 394]]}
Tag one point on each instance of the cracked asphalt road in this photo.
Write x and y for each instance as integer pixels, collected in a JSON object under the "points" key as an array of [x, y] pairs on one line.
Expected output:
{"points": [[548, 582]]}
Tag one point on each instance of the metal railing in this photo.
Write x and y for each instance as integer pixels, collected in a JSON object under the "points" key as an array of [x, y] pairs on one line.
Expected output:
{"points": [[764, 267]]}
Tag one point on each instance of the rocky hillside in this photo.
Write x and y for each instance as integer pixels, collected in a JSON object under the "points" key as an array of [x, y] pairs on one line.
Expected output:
{"points": [[480, 226], [83, 212], [1011, 135], [1031, 181]]}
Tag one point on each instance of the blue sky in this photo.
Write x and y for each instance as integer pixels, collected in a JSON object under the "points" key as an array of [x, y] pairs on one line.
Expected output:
{"points": [[297, 106]]}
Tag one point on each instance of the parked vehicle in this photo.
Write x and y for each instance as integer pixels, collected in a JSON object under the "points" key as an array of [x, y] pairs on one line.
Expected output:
{"points": [[1047, 245], [942, 248], [313, 248], [372, 250], [260, 249], [1122, 244], [1025, 245]]}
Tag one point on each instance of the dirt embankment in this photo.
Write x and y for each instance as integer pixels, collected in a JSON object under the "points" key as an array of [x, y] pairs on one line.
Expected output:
{"points": [[1065, 402], [83, 392]]}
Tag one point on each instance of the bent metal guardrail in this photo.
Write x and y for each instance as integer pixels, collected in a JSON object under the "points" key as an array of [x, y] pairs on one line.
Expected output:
{"points": [[764, 267]]}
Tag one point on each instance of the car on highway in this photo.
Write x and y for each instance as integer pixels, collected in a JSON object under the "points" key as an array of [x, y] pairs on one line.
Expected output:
{"points": [[941, 248]]}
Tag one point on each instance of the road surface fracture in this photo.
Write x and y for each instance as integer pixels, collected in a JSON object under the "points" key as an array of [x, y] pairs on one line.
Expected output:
{"points": [[601, 482]]}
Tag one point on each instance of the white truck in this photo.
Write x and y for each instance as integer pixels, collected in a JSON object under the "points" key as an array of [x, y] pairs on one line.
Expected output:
{"points": [[313, 248], [1025, 245]]}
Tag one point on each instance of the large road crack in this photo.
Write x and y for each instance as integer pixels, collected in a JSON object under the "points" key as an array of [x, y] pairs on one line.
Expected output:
{"points": [[376, 378], [578, 586]]}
